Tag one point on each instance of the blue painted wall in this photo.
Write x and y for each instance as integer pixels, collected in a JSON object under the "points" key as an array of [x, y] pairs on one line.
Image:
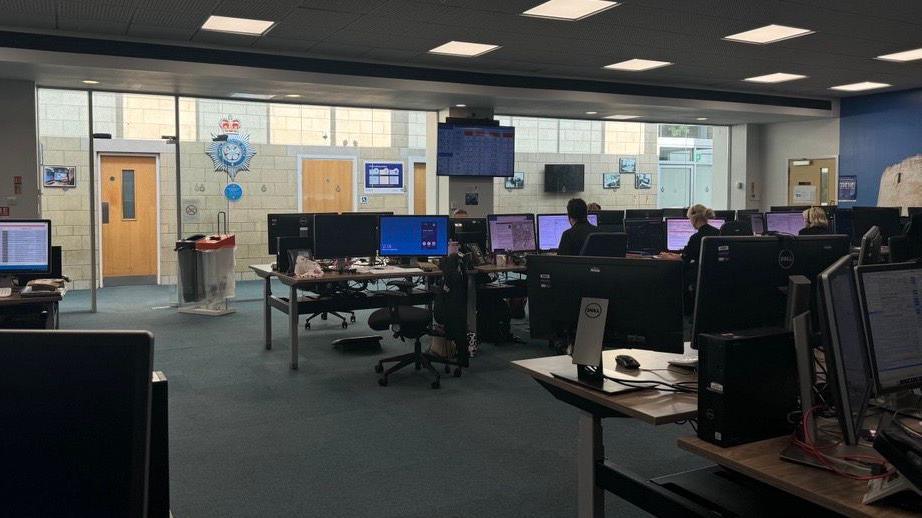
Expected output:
{"points": [[877, 131]]}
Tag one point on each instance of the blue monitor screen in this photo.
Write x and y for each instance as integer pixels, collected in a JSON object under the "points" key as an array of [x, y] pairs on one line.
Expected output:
{"points": [[412, 236], [469, 150]]}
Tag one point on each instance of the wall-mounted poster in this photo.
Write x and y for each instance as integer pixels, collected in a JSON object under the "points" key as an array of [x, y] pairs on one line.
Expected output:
{"points": [[848, 188], [59, 176], [643, 181], [516, 181], [384, 177], [627, 165], [611, 180]]}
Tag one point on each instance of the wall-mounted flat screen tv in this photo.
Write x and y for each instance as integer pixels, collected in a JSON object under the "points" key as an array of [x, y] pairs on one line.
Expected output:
{"points": [[475, 150], [564, 178]]}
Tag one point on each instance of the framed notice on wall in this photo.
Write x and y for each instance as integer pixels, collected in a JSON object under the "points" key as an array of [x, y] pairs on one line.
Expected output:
{"points": [[384, 177], [848, 188]]}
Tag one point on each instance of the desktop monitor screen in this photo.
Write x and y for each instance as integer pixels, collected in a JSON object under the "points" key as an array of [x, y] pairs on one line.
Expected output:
{"points": [[845, 346], [413, 236], [784, 222], [512, 232], [474, 150], [25, 246], [646, 236], [76, 410], [340, 236], [562, 178], [675, 212], [552, 226], [757, 221], [892, 312], [680, 230], [468, 230], [726, 215]]}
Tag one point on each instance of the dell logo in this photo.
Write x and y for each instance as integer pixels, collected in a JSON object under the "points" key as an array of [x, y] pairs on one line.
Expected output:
{"points": [[786, 259], [593, 310]]}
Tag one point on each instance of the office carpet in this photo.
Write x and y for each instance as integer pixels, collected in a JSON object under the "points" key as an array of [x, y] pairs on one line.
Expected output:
{"points": [[249, 437]]}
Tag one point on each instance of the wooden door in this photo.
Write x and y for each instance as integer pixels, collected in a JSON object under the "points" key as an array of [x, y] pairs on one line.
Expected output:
{"points": [[326, 185], [419, 188], [129, 219], [812, 182]]}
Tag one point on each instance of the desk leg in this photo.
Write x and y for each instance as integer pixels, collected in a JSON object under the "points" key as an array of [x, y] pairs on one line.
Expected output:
{"points": [[267, 312], [591, 498], [472, 302], [293, 325]]}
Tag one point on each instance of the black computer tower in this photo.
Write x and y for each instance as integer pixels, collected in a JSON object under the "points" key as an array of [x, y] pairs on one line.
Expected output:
{"points": [[158, 481], [747, 385]]}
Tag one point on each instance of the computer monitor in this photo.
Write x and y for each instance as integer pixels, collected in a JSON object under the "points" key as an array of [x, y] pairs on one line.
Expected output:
{"points": [[76, 413], [25, 247], [784, 222], [741, 212], [892, 311], [288, 225], [645, 236], [468, 230], [680, 230], [552, 226], [912, 211], [645, 299], [726, 215], [847, 363], [870, 248], [643, 214], [512, 232], [413, 236], [887, 219], [757, 222], [609, 217], [788, 208], [341, 236], [843, 223], [675, 212]]}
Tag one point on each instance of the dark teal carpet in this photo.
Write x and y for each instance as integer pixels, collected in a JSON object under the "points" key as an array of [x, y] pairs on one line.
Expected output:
{"points": [[249, 437]]}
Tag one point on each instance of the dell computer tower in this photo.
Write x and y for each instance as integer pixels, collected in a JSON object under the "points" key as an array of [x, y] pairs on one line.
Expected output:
{"points": [[747, 385]]}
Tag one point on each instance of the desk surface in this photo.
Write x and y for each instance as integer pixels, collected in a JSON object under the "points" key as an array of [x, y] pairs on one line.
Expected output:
{"points": [[265, 270], [45, 298], [651, 406], [760, 461], [492, 268]]}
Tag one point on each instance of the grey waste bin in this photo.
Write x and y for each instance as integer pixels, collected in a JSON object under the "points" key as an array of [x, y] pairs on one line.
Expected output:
{"points": [[187, 261]]}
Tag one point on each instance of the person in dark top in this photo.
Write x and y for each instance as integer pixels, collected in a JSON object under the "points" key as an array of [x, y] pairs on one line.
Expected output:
{"points": [[816, 222], [698, 215], [573, 239]]}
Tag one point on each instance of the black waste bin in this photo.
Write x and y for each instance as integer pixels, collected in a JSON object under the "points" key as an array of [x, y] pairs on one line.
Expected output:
{"points": [[187, 262]]}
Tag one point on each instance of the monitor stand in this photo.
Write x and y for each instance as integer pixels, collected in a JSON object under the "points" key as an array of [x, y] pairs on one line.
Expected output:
{"points": [[6, 281], [407, 262]]}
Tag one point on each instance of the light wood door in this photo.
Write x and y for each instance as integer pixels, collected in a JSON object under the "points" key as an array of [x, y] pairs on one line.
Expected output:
{"points": [[419, 188], [129, 219], [326, 185], [817, 179]]}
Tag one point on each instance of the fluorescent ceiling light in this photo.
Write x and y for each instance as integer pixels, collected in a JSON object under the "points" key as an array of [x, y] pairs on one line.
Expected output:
{"points": [[907, 55], [859, 87], [701, 119], [592, 113], [243, 95], [460, 106], [622, 117], [768, 34], [777, 77], [90, 82], [464, 49], [293, 96], [569, 9], [637, 65], [237, 25]]}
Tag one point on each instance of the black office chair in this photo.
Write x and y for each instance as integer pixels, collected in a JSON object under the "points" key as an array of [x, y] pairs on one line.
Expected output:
{"points": [[736, 228], [408, 322], [605, 244]]}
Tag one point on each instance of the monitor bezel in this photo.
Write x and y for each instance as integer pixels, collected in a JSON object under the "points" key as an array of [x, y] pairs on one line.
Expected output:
{"points": [[538, 229], [408, 216], [666, 229], [47, 270], [374, 250], [503, 250], [765, 218]]}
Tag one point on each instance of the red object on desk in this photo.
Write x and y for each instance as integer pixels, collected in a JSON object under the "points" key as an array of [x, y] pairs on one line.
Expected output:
{"points": [[216, 242]]}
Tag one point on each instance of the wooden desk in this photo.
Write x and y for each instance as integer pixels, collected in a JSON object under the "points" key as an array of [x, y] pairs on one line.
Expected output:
{"points": [[294, 306], [47, 301], [760, 461], [651, 406]]}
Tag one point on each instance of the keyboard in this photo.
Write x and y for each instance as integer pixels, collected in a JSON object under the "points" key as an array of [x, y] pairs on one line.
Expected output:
{"points": [[6, 292]]}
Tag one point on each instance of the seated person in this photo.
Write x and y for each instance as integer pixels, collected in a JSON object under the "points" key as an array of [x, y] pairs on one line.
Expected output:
{"points": [[816, 222], [698, 215], [594, 206], [459, 213], [573, 239], [736, 228]]}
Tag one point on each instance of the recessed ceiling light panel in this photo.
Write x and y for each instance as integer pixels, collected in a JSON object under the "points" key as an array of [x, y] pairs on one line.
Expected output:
{"points": [[569, 9], [293, 96], [232, 25], [768, 34], [90, 82], [906, 55], [777, 77], [860, 87], [592, 113], [464, 49], [244, 95], [622, 117], [637, 65], [701, 119]]}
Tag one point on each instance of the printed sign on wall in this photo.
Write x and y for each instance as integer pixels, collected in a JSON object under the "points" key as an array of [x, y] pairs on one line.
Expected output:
{"points": [[384, 177], [848, 188]]}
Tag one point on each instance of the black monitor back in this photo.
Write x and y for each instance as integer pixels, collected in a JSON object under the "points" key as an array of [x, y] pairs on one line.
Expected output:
{"points": [[645, 299], [726, 215], [605, 244], [469, 230], [643, 214], [675, 212], [288, 225], [609, 220], [345, 235], [842, 223], [76, 409], [887, 219]]}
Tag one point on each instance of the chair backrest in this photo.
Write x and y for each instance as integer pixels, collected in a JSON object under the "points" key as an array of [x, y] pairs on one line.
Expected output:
{"points": [[736, 228], [605, 244]]}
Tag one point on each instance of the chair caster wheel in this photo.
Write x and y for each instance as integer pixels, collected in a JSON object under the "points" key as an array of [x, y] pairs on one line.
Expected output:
{"points": [[307, 325], [379, 368], [457, 372], [447, 369], [435, 384], [382, 382], [352, 319], [345, 325], [323, 316]]}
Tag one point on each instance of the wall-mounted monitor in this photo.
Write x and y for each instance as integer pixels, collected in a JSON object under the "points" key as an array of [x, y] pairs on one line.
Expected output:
{"points": [[475, 150], [564, 178]]}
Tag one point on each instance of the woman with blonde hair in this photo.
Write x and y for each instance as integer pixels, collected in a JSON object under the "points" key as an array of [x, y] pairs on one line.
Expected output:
{"points": [[815, 222]]}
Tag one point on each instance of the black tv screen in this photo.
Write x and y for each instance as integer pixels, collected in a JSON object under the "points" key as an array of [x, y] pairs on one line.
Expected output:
{"points": [[474, 150], [563, 178]]}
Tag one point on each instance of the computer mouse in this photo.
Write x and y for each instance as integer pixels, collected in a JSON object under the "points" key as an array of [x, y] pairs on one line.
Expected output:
{"points": [[627, 362]]}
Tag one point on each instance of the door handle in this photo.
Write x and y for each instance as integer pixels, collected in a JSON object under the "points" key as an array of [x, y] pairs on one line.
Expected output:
{"points": [[105, 212]]}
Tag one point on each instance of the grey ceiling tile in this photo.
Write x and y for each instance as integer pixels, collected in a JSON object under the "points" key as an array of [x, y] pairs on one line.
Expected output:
{"points": [[338, 51], [157, 32], [93, 26], [284, 44], [94, 10], [346, 6], [168, 19], [275, 10], [224, 39]]}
